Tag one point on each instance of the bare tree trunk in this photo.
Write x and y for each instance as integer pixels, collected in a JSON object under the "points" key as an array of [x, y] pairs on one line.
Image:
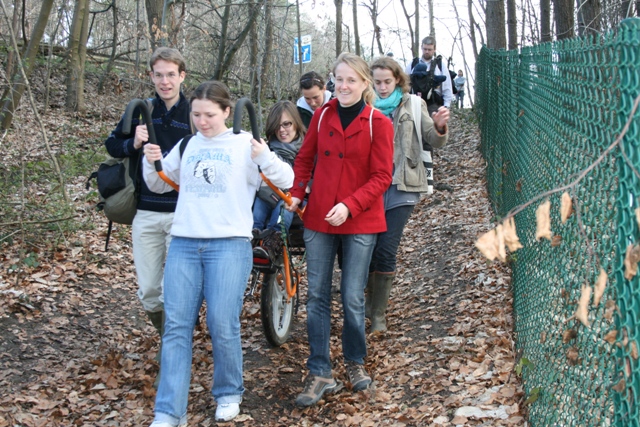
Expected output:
{"points": [[356, 33], [589, 13], [563, 14], [13, 93], [625, 8], [416, 26], [14, 25], [472, 32], [47, 89], [299, 39], [114, 45], [545, 21], [372, 7], [338, 4], [224, 63], [432, 27], [253, 61], [268, 47], [512, 24], [224, 30], [495, 25], [414, 45], [154, 18], [75, 64]]}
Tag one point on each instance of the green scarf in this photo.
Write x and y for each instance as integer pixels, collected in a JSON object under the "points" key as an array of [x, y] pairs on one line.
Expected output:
{"points": [[390, 103]]}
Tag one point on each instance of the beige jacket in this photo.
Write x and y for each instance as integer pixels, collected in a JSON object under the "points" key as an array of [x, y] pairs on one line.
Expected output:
{"points": [[410, 174]]}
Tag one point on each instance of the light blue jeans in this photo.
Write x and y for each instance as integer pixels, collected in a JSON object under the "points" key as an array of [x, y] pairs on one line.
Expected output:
{"points": [[215, 270], [321, 252], [265, 217]]}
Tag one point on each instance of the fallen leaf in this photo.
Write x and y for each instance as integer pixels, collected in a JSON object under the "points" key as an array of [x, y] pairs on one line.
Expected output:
{"points": [[572, 356], [620, 386], [556, 240], [610, 307], [631, 259], [510, 236], [582, 312], [634, 350], [611, 336], [568, 335], [488, 244], [543, 223], [566, 207], [598, 289], [502, 253]]}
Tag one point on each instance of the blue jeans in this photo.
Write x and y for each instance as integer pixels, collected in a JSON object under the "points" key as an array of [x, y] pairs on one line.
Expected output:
{"points": [[265, 217], [215, 270], [384, 255], [321, 253]]}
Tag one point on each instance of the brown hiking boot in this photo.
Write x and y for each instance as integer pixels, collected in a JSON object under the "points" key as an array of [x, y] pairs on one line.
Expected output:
{"points": [[315, 387], [357, 375]]}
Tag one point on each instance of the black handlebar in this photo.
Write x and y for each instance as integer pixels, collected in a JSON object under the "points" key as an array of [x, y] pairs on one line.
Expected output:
{"points": [[253, 119], [147, 119]]}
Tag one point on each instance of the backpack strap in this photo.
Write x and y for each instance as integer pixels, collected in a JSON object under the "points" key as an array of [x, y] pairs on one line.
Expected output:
{"points": [[416, 110], [183, 143], [414, 62], [370, 122]]}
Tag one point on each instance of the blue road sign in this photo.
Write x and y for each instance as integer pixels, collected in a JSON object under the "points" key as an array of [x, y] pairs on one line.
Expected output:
{"points": [[306, 50]]}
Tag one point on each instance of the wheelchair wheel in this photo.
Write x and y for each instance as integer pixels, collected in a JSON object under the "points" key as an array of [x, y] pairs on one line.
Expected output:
{"points": [[276, 313]]}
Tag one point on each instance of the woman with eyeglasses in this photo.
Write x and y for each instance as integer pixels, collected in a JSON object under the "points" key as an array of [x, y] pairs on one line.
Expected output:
{"points": [[284, 132]]}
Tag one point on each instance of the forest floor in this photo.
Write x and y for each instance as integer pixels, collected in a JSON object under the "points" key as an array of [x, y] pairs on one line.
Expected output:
{"points": [[76, 348]]}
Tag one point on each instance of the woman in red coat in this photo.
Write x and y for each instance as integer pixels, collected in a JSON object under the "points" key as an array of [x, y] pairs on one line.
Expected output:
{"points": [[349, 148]]}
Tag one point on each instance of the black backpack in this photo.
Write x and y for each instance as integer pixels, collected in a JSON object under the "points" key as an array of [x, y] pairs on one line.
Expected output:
{"points": [[424, 82], [453, 75], [119, 187]]}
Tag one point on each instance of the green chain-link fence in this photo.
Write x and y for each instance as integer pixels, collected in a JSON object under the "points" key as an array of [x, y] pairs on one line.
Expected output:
{"points": [[547, 113]]}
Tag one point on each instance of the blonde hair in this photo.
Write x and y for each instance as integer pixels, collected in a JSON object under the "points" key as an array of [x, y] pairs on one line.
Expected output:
{"points": [[361, 68], [387, 63]]}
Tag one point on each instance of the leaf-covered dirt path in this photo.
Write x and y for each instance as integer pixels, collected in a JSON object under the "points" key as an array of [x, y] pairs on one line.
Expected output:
{"points": [[77, 350]]}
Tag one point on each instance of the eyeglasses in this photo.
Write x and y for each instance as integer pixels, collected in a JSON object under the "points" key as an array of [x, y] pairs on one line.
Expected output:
{"points": [[285, 125], [170, 76]]}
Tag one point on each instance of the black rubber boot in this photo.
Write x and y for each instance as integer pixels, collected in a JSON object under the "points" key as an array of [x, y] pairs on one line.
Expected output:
{"points": [[379, 301], [367, 295]]}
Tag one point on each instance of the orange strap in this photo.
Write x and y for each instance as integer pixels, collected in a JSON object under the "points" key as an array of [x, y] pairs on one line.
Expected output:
{"points": [[166, 179], [284, 196]]}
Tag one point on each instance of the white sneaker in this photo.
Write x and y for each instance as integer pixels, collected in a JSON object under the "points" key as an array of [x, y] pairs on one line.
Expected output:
{"points": [[227, 411], [162, 424]]}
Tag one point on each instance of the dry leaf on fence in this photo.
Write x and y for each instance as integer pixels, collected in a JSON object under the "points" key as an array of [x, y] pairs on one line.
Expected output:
{"points": [[601, 284], [631, 259], [543, 222], [565, 207], [637, 211], [502, 252], [510, 235], [611, 336], [582, 312], [488, 244]]}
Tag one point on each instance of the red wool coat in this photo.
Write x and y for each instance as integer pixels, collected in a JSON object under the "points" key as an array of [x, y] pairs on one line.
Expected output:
{"points": [[353, 166]]}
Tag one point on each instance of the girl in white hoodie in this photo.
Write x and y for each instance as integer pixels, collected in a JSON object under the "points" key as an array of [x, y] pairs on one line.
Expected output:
{"points": [[210, 254]]}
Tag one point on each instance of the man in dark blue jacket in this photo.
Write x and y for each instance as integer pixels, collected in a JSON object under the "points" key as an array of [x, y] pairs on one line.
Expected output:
{"points": [[152, 223]]}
